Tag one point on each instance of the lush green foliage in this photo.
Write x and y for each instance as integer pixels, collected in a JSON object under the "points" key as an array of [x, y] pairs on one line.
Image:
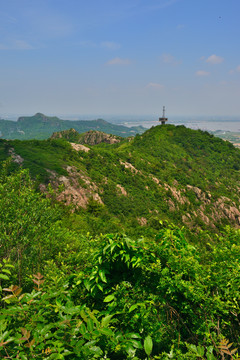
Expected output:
{"points": [[138, 298], [31, 227], [112, 297], [69, 294]]}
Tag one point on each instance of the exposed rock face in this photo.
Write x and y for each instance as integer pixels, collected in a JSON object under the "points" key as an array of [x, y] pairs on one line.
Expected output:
{"points": [[226, 208], [122, 190], [73, 193], [171, 205], [177, 194], [66, 134], [222, 208], [79, 147], [155, 179], [129, 166], [200, 194], [96, 137], [92, 137], [15, 157]]}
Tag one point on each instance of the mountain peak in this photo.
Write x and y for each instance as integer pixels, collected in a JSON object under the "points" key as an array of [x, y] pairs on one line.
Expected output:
{"points": [[40, 115]]}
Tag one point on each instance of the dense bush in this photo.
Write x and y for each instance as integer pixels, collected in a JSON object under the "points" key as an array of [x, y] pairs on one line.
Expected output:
{"points": [[111, 297]]}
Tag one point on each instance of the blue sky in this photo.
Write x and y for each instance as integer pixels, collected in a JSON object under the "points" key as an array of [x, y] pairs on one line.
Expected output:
{"points": [[120, 57]]}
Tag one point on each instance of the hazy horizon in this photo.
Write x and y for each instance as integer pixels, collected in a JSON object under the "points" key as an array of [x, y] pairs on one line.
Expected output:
{"points": [[129, 118]]}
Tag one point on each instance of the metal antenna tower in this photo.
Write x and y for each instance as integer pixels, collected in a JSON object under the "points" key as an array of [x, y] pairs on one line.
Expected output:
{"points": [[163, 119]]}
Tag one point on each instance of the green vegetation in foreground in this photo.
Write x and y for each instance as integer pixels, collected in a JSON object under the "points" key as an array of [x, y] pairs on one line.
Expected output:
{"points": [[70, 296], [41, 126]]}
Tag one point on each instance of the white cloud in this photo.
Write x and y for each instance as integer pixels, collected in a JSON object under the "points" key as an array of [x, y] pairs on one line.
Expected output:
{"points": [[233, 71], [152, 85], [169, 59], [22, 45], [87, 43], [16, 45], [119, 61], [104, 44], [214, 59], [202, 73], [110, 45]]}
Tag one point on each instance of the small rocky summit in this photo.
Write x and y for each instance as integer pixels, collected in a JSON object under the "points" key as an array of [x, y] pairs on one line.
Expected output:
{"points": [[94, 137], [91, 137]]}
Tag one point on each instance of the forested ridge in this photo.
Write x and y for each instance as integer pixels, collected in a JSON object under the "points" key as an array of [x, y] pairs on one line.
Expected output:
{"points": [[40, 126], [120, 251]]}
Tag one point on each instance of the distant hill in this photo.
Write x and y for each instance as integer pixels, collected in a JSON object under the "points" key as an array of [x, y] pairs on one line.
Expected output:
{"points": [[169, 173], [92, 137], [41, 127], [233, 137]]}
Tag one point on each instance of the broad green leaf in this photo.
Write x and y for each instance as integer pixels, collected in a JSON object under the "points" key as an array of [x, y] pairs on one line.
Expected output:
{"points": [[100, 287], [106, 320], [211, 357], [6, 271], [133, 336], [87, 284], [133, 307], [102, 276], [136, 344], [200, 350], [83, 329], [96, 350], [107, 332], [83, 315], [90, 325], [4, 277], [148, 345], [109, 298]]}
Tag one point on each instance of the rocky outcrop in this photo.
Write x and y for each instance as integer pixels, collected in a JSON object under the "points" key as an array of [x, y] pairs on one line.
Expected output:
{"points": [[79, 147], [15, 157], [121, 190], [129, 166], [92, 137], [96, 137], [73, 193]]}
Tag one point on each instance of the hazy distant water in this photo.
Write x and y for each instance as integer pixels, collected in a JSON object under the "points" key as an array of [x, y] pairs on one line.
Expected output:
{"points": [[207, 125]]}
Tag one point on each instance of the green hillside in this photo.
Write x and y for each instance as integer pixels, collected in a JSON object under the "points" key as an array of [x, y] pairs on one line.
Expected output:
{"points": [[166, 174], [95, 262], [41, 126]]}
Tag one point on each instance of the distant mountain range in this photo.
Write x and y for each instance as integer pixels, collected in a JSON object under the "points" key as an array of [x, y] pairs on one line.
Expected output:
{"points": [[41, 127]]}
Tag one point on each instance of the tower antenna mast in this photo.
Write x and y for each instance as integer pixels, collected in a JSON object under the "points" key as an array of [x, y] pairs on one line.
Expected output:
{"points": [[163, 119]]}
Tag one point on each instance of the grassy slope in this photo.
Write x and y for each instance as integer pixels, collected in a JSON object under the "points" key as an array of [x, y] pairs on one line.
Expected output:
{"points": [[173, 172]]}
